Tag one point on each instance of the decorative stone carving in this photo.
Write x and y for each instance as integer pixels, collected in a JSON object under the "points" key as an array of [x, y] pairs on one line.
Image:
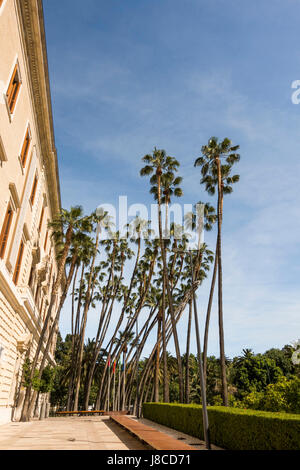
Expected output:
{"points": [[42, 270], [23, 342], [36, 255]]}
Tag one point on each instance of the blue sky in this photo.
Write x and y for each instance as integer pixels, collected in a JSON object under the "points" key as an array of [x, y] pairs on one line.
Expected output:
{"points": [[130, 75]]}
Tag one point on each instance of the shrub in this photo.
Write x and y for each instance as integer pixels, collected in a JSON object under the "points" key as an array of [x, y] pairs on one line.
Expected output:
{"points": [[282, 396], [218, 400], [231, 428], [253, 401]]}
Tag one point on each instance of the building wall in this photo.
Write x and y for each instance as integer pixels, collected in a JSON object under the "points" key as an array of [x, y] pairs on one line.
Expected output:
{"points": [[23, 304]]}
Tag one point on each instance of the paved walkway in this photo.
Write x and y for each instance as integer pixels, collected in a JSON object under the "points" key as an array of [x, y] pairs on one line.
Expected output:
{"points": [[91, 433]]}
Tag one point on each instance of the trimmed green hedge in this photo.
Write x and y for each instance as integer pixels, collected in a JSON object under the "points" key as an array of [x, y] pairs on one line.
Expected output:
{"points": [[231, 428]]}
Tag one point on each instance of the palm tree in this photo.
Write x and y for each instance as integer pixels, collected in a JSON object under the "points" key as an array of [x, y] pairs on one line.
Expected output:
{"points": [[63, 227], [106, 294], [124, 253], [214, 174], [203, 216], [85, 251], [162, 168], [101, 220], [125, 338], [187, 356], [170, 186], [78, 240]]}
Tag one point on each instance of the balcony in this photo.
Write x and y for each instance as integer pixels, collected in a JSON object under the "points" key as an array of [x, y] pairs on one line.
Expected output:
{"points": [[27, 298]]}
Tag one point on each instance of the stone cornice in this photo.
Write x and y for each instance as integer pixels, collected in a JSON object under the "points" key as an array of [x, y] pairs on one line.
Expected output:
{"points": [[33, 30]]}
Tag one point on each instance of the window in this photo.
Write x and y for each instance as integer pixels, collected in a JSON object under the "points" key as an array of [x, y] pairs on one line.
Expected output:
{"points": [[13, 89], [41, 219], [25, 148], [30, 282], [19, 263], [41, 307], [46, 239], [3, 157], [5, 231], [33, 191], [37, 294]]}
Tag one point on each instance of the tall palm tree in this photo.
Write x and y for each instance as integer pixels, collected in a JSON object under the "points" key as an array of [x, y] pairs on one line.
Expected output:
{"points": [[125, 338], [124, 253], [108, 294], [170, 186], [101, 220], [217, 175], [203, 217], [187, 356], [63, 227], [85, 252], [162, 169], [78, 240]]}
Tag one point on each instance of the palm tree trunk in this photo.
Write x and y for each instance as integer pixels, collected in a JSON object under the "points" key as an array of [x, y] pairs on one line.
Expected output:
{"points": [[208, 313], [170, 300], [220, 289], [54, 328], [165, 364], [85, 312], [157, 357], [124, 380], [188, 340], [25, 416], [99, 340], [98, 399], [74, 340]]}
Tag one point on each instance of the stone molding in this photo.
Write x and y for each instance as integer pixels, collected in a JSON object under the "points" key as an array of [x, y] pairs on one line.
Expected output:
{"points": [[33, 30]]}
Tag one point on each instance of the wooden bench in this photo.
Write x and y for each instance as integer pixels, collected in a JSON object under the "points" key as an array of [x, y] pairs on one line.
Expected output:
{"points": [[155, 439], [79, 413]]}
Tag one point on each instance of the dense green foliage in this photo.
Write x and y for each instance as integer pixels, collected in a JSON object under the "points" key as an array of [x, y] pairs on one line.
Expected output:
{"points": [[281, 396], [257, 381], [231, 428], [63, 370], [269, 381], [45, 384]]}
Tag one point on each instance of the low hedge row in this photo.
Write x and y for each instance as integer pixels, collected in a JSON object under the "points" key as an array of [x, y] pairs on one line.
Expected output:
{"points": [[231, 428]]}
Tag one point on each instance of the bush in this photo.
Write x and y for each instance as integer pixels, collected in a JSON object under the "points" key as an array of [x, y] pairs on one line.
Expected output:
{"points": [[282, 396], [231, 428]]}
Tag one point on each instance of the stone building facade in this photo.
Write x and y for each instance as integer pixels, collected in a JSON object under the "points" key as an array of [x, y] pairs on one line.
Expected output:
{"points": [[29, 194]]}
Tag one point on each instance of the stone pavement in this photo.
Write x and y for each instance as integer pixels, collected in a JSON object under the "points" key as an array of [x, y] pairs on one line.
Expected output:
{"points": [[90, 433]]}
